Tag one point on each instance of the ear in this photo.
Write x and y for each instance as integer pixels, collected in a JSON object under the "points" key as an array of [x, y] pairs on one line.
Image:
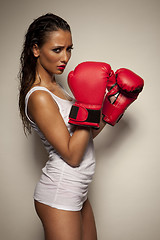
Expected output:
{"points": [[36, 51]]}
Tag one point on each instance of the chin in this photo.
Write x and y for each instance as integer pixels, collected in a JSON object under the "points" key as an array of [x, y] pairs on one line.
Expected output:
{"points": [[59, 72]]}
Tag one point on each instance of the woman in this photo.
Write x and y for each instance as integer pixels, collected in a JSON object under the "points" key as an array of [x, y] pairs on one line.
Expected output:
{"points": [[61, 194]]}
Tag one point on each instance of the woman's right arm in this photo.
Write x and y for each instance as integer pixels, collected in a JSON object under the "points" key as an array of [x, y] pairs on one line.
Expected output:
{"points": [[45, 113]]}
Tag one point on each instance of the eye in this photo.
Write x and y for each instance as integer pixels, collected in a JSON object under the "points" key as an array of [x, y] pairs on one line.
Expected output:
{"points": [[69, 49], [56, 50]]}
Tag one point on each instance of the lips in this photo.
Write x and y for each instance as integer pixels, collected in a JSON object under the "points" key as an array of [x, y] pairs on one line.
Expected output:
{"points": [[61, 67]]}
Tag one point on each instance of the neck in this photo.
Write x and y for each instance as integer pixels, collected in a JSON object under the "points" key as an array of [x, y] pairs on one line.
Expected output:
{"points": [[43, 77]]}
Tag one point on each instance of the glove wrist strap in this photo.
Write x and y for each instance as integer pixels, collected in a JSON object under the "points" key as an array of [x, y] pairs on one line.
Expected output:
{"points": [[82, 114]]}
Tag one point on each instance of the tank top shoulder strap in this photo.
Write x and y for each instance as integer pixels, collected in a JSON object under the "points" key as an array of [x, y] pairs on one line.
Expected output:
{"points": [[29, 94]]}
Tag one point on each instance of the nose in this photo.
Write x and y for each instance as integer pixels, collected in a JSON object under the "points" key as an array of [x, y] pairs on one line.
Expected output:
{"points": [[65, 57]]}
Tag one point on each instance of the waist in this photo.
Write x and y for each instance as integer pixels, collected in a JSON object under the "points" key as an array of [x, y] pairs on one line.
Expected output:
{"points": [[56, 166]]}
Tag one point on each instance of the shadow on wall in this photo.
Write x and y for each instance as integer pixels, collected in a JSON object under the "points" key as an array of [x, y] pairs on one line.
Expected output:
{"points": [[107, 145], [113, 136], [40, 153]]}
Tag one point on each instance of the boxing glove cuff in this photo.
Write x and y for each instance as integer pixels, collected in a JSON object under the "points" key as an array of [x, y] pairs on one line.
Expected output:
{"points": [[82, 114]]}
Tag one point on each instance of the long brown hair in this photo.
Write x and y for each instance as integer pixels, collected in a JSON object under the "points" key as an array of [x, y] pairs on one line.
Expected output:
{"points": [[36, 34]]}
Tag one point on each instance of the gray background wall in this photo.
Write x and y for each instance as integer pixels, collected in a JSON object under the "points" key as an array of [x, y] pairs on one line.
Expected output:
{"points": [[125, 192]]}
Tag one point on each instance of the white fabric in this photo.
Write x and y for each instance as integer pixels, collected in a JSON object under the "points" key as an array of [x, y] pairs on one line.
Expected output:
{"points": [[62, 186]]}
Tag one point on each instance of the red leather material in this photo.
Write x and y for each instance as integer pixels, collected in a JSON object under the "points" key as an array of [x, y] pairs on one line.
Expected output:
{"points": [[128, 80], [111, 80], [82, 114], [88, 84], [126, 90], [112, 112]]}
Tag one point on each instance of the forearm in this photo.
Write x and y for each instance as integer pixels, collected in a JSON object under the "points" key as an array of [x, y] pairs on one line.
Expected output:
{"points": [[95, 132], [77, 145]]}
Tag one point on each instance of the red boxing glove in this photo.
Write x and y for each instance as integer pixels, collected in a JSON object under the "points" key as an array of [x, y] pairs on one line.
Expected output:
{"points": [[125, 86], [88, 84]]}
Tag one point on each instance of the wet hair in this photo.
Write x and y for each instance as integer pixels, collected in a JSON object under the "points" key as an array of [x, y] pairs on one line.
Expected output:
{"points": [[37, 33]]}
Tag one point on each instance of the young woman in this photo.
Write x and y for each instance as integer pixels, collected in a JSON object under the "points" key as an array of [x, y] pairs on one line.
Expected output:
{"points": [[61, 194]]}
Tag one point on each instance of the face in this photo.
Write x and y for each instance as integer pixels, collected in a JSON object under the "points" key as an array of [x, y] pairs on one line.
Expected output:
{"points": [[55, 53]]}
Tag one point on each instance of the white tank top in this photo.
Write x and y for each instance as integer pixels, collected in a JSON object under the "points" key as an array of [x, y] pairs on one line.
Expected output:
{"points": [[64, 108], [60, 185]]}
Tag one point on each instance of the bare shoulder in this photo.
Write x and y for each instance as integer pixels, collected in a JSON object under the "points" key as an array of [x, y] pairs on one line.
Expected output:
{"points": [[40, 99], [41, 105]]}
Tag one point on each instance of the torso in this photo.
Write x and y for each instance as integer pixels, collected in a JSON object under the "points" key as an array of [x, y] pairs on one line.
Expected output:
{"points": [[62, 186]]}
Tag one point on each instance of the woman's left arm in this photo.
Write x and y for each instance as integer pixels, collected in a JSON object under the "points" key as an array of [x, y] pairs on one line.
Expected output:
{"points": [[95, 132]]}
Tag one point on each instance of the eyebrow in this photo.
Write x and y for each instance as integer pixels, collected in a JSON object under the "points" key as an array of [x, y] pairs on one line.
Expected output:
{"points": [[62, 46]]}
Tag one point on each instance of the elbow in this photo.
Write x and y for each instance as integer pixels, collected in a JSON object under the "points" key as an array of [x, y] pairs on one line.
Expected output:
{"points": [[73, 162], [74, 165]]}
